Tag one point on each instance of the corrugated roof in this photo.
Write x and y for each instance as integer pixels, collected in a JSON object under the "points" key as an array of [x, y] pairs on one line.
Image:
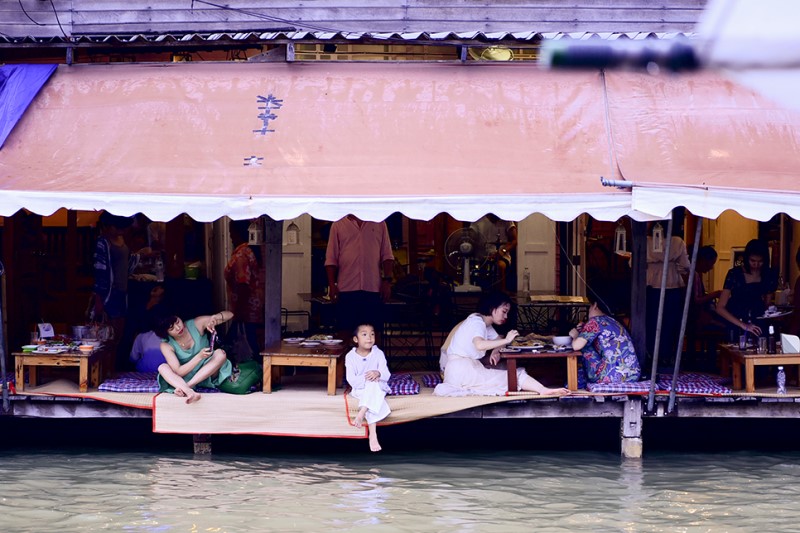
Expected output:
{"points": [[276, 36]]}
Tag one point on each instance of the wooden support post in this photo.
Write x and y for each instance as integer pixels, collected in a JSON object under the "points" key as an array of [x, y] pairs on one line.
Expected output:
{"points": [[638, 291], [174, 249], [202, 444], [71, 269], [631, 430], [273, 268]]}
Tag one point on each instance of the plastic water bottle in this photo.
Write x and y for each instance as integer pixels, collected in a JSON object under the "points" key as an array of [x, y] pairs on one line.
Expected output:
{"points": [[526, 280], [781, 381], [772, 341]]}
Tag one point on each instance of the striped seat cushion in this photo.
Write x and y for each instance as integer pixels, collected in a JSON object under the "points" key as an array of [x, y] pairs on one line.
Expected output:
{"points": [[694, 383], [131, 382], [431, 380], [402, 385], [137, 382], [628, 387]]}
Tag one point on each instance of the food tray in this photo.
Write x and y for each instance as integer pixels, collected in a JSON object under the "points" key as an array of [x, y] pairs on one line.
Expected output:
{"points": [[319, 337], [528, 347]]}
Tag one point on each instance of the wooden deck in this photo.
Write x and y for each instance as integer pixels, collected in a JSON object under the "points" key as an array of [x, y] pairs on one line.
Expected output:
{"points": [[628, 409]]}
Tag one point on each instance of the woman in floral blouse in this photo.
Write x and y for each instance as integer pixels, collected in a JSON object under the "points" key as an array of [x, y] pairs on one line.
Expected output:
{"points": [[608, 354]]}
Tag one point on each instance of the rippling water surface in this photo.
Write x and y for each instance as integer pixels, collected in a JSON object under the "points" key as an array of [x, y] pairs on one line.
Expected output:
{"points": [[503, 492]]}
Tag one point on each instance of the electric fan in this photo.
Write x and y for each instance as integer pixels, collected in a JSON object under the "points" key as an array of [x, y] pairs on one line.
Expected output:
{"points": [[465, 249]]}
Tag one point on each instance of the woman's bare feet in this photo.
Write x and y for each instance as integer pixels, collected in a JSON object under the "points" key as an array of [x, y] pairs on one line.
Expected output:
{"points": [[554, 392], [374, 445], [193, 397], [190, 395]]}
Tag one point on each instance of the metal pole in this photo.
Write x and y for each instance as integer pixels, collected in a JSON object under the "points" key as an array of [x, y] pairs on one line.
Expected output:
{"points": [[6, 405], [651, 398], [686, 301]]}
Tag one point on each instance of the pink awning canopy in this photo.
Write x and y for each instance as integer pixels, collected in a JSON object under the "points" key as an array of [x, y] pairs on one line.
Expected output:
{"points": [[706, 143], [244, 139], [282, 139]]}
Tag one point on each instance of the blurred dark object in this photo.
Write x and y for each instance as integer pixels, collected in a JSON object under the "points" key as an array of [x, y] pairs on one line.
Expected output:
{"points": [[674, 55]]}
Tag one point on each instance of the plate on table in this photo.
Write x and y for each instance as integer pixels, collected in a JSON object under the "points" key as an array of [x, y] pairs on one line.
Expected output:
{"points": [[310, 343], [294, 340], [780, 314], [49, 351], [331, 342]]}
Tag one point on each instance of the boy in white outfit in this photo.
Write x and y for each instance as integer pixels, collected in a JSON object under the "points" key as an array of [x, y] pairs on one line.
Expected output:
{"points": [[368, 375]]}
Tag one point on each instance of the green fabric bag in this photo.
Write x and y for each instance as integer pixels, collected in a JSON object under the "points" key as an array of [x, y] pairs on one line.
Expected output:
{"points": [[244, 376]]}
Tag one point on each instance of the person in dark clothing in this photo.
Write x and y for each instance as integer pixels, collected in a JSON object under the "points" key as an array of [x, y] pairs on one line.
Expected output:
{"points": [[748, 290]]}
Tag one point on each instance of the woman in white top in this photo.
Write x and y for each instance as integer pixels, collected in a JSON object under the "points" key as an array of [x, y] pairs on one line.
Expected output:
{"points": [[464, 374]]}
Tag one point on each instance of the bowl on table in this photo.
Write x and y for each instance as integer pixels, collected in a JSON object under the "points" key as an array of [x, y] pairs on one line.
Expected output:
{"points": [[562, 340], [85, 348]]}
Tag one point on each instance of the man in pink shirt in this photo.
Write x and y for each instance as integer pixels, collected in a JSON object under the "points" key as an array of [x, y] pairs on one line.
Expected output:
{"points": [[359, 263]]}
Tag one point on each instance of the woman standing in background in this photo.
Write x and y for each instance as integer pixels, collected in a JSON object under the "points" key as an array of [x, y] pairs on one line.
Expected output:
{"points": [[113, 263], [748, 289]]}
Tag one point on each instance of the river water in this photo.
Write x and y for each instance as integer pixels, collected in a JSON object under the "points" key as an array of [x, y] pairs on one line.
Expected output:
{"points": [[146, 485], [497, 491]]}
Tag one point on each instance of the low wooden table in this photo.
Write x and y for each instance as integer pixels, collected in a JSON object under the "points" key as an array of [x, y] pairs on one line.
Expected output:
{"points": [[89, 366], [732, 358], [293, 354], [511, 358]]}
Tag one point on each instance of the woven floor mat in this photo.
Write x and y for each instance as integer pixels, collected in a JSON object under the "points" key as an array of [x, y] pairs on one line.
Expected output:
{"points": [[69, 389], [426, 405], [768, 392], [296, 411]]}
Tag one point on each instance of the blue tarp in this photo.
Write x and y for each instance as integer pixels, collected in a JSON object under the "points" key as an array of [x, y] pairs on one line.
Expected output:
{"points": [[19, 84]]}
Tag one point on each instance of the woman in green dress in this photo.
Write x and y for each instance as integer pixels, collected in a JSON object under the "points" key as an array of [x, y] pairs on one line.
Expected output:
{"points": [[191, 362]]}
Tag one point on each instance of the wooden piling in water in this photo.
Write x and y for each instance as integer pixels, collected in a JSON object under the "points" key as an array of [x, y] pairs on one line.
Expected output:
{"points": [[202, 444]]}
